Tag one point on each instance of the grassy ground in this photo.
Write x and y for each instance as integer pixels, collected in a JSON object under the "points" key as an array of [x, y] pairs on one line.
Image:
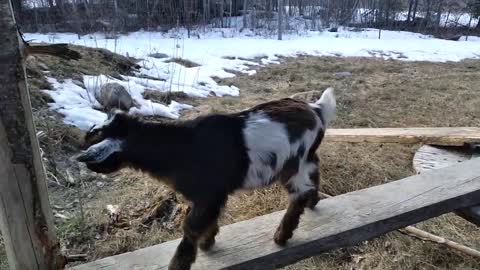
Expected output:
{"points": [[378, 93]]}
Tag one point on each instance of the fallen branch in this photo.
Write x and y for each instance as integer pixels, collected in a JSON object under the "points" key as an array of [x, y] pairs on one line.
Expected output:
{"points": [[423, 235], [415, 232]]}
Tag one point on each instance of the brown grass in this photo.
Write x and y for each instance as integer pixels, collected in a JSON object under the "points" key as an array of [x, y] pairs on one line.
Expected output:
{"points": [[378, 94], [184, 62]]}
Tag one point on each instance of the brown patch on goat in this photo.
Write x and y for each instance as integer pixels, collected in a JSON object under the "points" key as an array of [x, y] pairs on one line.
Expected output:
{"points": [[296, 115]]}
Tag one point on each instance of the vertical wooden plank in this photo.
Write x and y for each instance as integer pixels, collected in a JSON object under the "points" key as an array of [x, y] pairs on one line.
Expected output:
{"points": [[25, 215]]}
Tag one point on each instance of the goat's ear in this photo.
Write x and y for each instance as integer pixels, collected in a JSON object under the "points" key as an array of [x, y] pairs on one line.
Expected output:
{"points": [[100, 151]]}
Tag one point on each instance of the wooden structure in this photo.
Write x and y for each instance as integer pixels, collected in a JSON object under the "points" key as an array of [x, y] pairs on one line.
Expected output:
{"points": [[25, 215], [434, 157], [336, 222], [452, 136]]}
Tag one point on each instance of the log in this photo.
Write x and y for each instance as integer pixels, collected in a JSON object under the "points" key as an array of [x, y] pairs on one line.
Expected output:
{"points": [[25, 216], [456, 136], [336, 222], [429, 158]]}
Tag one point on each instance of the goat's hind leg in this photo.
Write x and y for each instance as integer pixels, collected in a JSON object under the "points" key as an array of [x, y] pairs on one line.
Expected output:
{"points": [[208, 238], [300, 197], [197, 223]]}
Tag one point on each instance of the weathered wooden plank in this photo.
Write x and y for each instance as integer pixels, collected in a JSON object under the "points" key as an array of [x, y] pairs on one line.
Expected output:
{"points": [[457, 136], [430, 157], [471, 214], [25, 215], [336, 222]]}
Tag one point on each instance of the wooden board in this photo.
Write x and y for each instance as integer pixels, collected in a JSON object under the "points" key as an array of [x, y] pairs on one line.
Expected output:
{"points": [[26, 219], [429, 158], [336, 222], [456, 136]]}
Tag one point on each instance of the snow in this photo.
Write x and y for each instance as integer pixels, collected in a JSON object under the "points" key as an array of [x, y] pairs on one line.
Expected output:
{"points": [[78, 104], [218, 51]]}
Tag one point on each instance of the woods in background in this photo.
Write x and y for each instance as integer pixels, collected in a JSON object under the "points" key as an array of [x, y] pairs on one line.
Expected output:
{"points": [[115, 16]]}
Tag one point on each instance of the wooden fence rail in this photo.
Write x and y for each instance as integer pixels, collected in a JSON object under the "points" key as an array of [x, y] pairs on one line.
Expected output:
{"points": [[453, 136], [336, 222]]}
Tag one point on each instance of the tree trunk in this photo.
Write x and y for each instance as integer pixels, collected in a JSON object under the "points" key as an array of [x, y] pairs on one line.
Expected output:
{"points": [[428, 12], [268, 7], [245, 14], [204, 11], [439, 15], [446, 19], [387, 13], [280, 18], [221, 12], [25, 215], [415, 6], [410, 6]]}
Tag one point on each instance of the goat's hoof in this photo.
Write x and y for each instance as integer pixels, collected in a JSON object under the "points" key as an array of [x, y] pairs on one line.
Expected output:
{"points": [[280, 239], [206, 245], [175, 265]]}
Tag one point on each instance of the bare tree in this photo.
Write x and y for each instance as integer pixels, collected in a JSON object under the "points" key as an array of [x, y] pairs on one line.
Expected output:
{"points": [[410, 7]]}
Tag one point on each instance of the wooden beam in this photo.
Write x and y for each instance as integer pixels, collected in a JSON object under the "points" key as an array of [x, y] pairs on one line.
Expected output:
{"points": [[471, 214], [337, 222], [429, 158], [25, 215], [456, 136]]}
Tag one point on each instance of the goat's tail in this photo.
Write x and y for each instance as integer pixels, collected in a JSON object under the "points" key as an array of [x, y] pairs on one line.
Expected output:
{"points": [[327, 106]]}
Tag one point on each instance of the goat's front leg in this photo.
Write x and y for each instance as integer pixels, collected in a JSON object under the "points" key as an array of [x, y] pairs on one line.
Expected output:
{"points": [[198, 221]]}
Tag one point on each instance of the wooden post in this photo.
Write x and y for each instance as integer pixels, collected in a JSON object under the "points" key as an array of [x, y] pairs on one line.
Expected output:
{"points": [[25, 214]]}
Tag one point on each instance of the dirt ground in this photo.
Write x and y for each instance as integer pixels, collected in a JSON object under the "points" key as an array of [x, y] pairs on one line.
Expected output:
{"points": [[370, 93]]}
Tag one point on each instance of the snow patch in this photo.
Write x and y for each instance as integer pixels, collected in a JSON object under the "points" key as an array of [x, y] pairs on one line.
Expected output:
{"points": [[78, 104]]}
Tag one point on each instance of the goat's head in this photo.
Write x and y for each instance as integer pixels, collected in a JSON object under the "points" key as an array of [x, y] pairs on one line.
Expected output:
{"points": [[106, 144]]}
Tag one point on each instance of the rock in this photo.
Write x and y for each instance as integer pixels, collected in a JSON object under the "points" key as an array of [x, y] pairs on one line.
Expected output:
{"points": [[114, 96], [100, 184], [333, 30], [343, 74], [159, 55]]}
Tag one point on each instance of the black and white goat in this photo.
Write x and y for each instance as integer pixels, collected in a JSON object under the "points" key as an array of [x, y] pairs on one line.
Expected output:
{"points": [[210, 157]]}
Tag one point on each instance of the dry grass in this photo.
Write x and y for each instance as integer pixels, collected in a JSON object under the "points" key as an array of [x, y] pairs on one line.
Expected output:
{"points": [[184, 62], [378, 94]]}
